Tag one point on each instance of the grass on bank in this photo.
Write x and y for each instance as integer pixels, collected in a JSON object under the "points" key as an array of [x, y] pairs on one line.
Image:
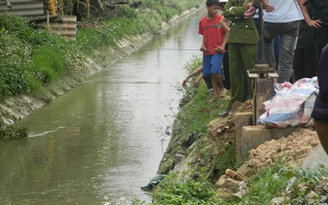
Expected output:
{"points": [[196, 106], [196, 110], [289, 185]]}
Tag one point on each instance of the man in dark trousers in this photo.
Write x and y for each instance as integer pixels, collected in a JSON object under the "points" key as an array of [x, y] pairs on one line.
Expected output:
{"points": [[320, 110], [318, 20], [305, 60], [283, 20], [243, 41]]}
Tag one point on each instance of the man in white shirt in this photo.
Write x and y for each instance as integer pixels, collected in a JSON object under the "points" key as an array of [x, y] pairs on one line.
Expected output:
{"points": [[281, 18]]}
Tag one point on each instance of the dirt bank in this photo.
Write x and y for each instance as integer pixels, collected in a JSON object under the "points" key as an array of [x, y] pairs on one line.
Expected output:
{"points": [[196, 152]]}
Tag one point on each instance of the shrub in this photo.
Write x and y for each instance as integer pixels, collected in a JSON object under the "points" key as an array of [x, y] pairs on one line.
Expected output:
{"points": [[126, 11], [47, 64], [175, 189], [14, 57]]}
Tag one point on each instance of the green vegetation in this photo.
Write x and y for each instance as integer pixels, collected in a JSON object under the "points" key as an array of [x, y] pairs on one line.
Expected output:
{"points": [[197, 110], [11, 132], [29, 58], [294, 185], [194, 190]]}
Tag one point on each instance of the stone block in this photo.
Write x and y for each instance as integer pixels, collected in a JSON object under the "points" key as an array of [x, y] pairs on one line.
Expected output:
{"points": [[253, 136], [263, 91], [316, 159], [241, 119]]}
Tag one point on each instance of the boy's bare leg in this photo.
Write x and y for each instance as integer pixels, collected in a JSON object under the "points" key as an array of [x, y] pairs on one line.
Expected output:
{"points": [[219, 81], [322, 131], [215, 87]]}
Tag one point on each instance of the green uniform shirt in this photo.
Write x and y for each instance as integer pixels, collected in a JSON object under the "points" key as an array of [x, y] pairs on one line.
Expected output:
{"points": [[241, 30]]}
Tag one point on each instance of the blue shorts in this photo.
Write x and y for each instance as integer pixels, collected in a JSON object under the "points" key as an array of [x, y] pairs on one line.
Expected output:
{"points": [[212, 64]]}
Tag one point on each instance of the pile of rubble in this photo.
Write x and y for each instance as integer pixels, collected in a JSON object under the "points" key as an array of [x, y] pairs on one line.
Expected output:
{"points": [[291, 150]]}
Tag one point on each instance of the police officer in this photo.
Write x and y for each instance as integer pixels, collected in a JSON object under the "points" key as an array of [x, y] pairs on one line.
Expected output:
{"points": [[243, 41]]}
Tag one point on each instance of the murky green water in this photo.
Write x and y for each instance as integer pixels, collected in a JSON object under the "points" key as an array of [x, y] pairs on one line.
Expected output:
{"points": [[103, 138]]}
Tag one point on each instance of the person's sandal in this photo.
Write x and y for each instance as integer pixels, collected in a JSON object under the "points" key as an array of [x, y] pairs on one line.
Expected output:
{"points": [[214, 99], [222, 94], [225, 113]]}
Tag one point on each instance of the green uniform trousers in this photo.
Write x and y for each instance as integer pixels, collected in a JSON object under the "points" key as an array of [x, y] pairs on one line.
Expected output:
{"points": [[241, 58]]}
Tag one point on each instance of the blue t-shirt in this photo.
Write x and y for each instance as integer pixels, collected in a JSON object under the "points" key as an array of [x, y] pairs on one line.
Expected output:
{"points": [[285, 11]]}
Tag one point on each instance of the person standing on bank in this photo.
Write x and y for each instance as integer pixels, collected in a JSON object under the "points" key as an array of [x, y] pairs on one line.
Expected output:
{"points": [[243, 41], [283, 20], [305, 60], [320, 109], [225, 60], [318, 20], [215, 33]]}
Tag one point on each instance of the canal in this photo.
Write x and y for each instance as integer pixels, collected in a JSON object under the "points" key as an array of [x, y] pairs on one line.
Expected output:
{"points": [[103, 140]]}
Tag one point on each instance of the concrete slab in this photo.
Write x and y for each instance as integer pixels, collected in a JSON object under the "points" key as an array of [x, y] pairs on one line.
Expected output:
{"points": [[263, 91], [241, 119], [317, 159], [253, 136]]}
